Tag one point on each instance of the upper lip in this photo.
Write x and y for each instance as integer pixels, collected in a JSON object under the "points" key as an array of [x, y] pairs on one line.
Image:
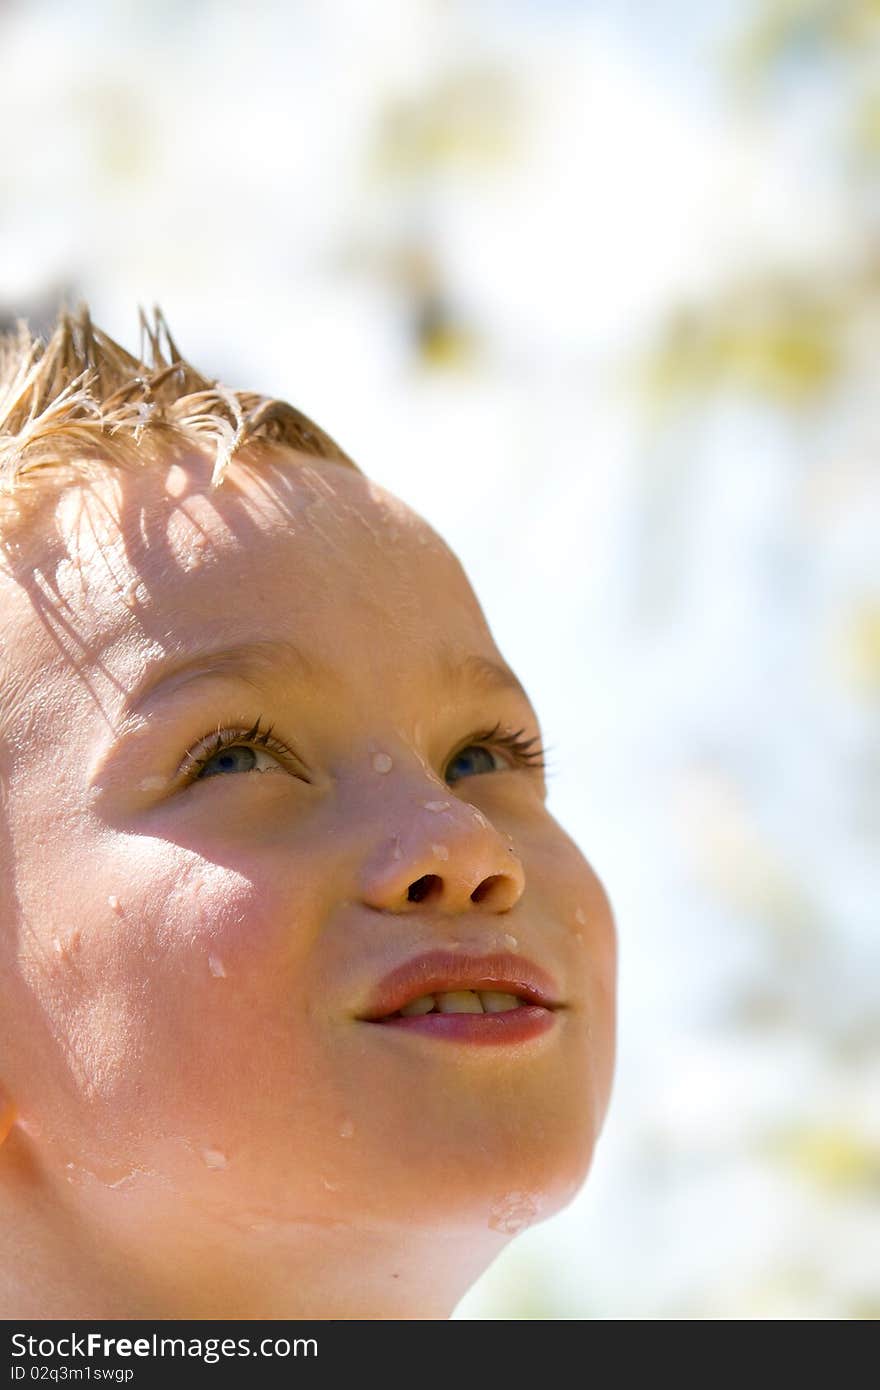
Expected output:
{"points": [[439, 972]]}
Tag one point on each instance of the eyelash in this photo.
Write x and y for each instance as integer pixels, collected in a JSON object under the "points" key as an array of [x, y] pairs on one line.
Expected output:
{"points": [[521, 748]]}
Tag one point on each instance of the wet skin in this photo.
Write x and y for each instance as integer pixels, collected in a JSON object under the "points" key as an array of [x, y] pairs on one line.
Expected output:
{"points": [[184, 953]]}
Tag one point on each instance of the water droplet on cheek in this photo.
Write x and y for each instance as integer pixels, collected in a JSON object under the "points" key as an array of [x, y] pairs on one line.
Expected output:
{"points": [[114, 904], [511, 941], [382, 762], [435, 805], [214, 1158], [215, 965], [580, 916], [152, 784], [440, 851], [68, 944], [346, 1129]]}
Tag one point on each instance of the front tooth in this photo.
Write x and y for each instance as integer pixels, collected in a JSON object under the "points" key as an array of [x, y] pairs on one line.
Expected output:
{"points": [[459, 1001], [424, 1005], [496, 1003]]}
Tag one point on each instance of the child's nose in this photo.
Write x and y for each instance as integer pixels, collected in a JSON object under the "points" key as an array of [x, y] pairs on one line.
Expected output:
{"points": [[453, 858]]}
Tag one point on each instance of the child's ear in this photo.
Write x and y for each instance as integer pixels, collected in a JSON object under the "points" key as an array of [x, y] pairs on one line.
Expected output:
{"points": [[8, 1113]]}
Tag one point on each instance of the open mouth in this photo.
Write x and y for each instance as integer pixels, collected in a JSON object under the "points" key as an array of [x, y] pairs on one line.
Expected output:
{"points": [[460, 1001], [500, 999]]}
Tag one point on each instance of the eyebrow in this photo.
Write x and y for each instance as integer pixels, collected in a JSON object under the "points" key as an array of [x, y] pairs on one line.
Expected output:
{"points": [[267, 660]]}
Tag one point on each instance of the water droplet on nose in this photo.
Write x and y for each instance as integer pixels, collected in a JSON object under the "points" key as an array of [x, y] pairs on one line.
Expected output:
{"points": [[510, 941], [580, 916], [215, 965], [382, 762], [480, 818], [114, 903], [214, 1158], [346, 1129], [440, 851], [435, 805]]}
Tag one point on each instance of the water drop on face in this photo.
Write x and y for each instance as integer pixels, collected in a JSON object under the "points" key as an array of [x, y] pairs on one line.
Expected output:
{"points": [[435, 805], [215, 965], [346, 1129], [214, 1158], [151, 784], [58, 947], [382, 762], [113, 903], [510, 941], [480, 818], [440, 851], [580, 916], [579, 936], [512, 1213], [397, 852], [330, 1186]]}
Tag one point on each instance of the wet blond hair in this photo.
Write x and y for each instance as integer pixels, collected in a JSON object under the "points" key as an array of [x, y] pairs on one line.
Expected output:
{"points": [[79, 400]]}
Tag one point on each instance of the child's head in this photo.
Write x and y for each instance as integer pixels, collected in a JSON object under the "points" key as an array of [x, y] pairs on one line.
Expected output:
{"points": [[258, 753]]}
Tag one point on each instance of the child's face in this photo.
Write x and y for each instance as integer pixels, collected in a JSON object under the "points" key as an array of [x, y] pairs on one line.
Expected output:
{"points": [[185, 963]]}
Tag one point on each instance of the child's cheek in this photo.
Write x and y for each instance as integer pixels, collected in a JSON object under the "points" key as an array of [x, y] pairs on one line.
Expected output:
{"points": [[173, 982]]}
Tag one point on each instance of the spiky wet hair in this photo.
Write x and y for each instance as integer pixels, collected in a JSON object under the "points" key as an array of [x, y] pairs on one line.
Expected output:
{"points": [[79, 398]]}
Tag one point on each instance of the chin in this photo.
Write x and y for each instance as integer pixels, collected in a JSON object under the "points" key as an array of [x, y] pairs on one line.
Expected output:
{"points": [[502, 1178]]}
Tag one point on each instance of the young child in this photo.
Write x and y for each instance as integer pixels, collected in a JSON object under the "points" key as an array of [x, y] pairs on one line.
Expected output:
{"points": [[306, 1000]]}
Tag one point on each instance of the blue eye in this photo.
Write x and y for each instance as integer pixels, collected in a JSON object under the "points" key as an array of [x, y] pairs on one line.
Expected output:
{"points": [[238, 757], [234, 750], [474, 753], [522, 753], [237, 750]]}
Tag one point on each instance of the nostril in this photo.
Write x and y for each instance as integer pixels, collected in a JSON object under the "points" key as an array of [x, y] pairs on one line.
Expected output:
{"points": [[420, 889], [492, 887]]}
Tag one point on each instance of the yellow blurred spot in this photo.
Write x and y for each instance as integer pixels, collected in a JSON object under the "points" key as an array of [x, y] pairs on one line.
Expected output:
{"points": [[773, 338], [447, 345], [833, 1158], [858, 650], [464, 120]]}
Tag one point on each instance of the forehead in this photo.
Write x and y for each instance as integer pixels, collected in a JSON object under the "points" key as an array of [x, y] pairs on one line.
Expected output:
{"points": [[140, 567]]}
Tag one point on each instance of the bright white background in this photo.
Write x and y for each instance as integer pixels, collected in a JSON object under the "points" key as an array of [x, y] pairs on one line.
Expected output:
{"points": [[477, 242]]}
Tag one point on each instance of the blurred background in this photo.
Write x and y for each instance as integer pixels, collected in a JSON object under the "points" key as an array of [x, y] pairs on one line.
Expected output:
{"points": [[595, 287]]}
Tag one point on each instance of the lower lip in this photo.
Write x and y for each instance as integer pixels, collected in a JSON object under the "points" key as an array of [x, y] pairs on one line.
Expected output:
{"points": [[509, 1026]]}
